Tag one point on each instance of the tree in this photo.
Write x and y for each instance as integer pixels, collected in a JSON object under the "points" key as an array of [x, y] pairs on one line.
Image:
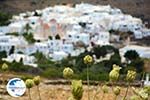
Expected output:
{"points": [[3, 54], [4, 18], [102, 51], [131, 55], [115, 59], [138, 64], [99, 51]]}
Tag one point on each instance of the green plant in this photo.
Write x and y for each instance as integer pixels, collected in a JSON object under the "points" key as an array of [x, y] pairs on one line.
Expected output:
{"points": [[4, 18], [29, 84], [68, 73], [4, 68], [131, 75], [116, 91], [37, 82], [77, 89], [88, 60], [131, 55]]}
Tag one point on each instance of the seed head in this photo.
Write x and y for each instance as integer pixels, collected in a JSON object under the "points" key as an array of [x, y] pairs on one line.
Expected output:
{"points": [[88, 59], [29, 83], [68, 72], [4, 67], [117, 90], [36, 80], [77, 89], [105, 89], [131, 75]]}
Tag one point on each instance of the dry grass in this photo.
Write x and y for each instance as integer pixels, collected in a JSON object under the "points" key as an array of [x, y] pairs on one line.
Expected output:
{"points": [[62, 92]]}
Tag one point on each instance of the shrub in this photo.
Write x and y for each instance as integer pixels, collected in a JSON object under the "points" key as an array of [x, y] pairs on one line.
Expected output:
{"points": [[131, 55], [4, 18]]}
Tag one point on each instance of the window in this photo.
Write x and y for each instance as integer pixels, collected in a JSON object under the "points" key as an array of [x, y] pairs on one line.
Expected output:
{"points": [[78, 37], [69, 36]]}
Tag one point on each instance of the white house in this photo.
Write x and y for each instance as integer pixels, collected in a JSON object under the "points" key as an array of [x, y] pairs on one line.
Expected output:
{"points": [[2, 34], [101, 38], [59, 55], [17, 27], [143, 52], [5, 47], [27, 60], [83, 37], [74, 37], [42, 47], [4, 29], [54, 45], [138, 34], [67, 48], [71, 35], [146, 32], [6, 42], [30, 49]]}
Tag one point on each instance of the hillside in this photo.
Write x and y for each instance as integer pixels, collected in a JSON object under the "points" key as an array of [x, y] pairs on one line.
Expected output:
{"points": [[138, 8]]}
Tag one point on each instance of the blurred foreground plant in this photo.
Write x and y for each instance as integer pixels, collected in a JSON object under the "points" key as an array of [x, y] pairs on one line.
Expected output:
{"points": [[29, 84], [105, 90], [4, 68], [130, 77], [116, 91], [114, 74], [68, 73], [88, 60], [141, 94], [113, 77], [37, 82], [76, 89]]}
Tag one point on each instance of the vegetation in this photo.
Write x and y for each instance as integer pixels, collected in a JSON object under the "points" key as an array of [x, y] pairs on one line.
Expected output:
{"points": [[97, 70], [4, 18], [131, 55], [29, 37], [3, 54], [77, 87], [14, 34], [84, 67]]}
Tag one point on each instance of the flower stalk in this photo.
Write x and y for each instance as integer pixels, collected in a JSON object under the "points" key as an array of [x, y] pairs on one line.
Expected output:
{"points": [[29, 94], [29, 84], [88, 84], [126, 93], [88, 60], [37, 83]]}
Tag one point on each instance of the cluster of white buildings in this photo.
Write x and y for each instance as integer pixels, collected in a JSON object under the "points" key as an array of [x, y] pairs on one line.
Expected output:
{"points": [[82, 24]]}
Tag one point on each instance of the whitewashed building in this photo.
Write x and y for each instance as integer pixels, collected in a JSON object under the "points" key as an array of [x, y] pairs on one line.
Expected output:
{"points": [[27, 60], [4, 29], [59, 55], [17, 27], [143, 52]]}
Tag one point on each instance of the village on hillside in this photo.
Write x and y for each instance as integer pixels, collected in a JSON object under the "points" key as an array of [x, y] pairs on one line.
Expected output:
{"points": [[61, 30], [83, 47]]}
